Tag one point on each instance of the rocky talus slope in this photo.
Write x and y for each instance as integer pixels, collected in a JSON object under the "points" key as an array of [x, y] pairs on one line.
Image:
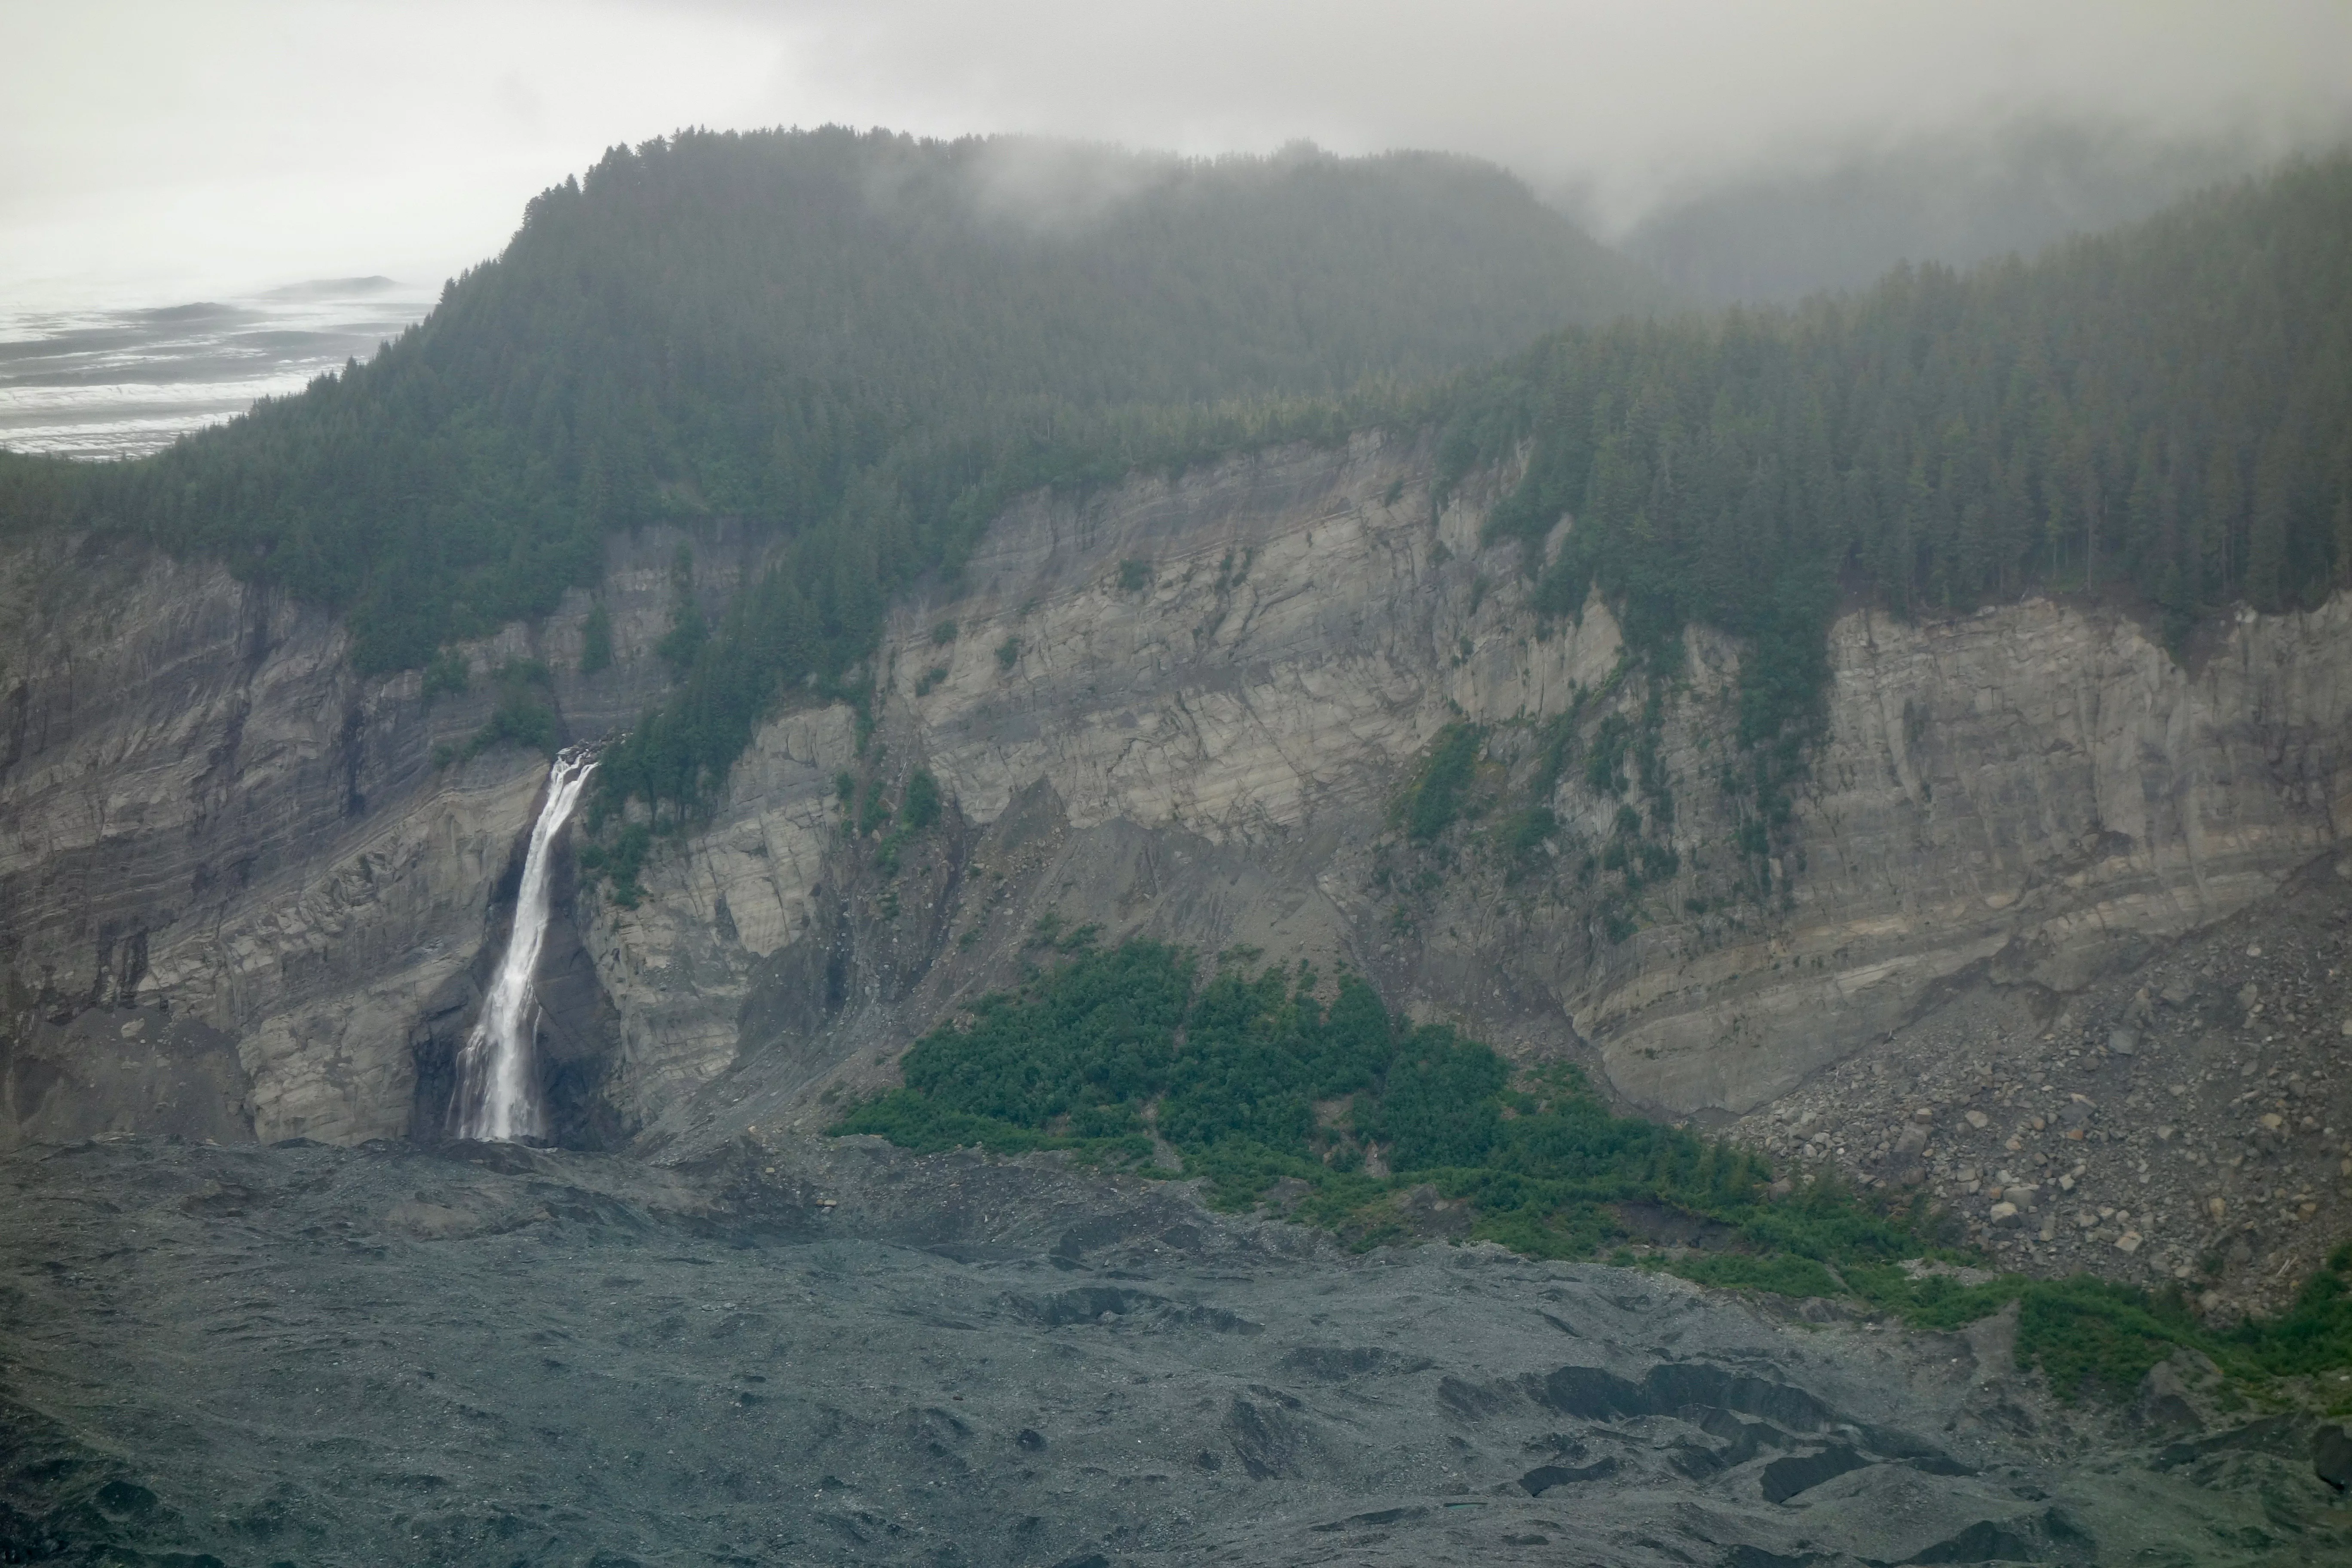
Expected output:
{"points": [[1185, 706], [2187, 1122]]}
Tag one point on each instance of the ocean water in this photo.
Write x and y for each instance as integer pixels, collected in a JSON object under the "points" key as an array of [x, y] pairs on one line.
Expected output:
{"points": [[125, 383]]}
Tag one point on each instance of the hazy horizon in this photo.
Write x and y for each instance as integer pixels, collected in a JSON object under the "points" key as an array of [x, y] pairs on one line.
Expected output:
{"points": [[101, 378], [159, 154], [160, 158], [121, 382]]}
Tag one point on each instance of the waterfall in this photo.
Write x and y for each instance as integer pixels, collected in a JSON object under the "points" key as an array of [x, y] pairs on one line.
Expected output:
{"points": [[498, 1096]]}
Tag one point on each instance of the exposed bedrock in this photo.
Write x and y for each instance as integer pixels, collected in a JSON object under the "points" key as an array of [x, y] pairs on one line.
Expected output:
{"points": [[1187, 708], [208, 818]]}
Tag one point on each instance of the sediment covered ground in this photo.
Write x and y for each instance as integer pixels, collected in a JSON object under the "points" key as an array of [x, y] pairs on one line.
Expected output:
{"points": [[836, 1352]]}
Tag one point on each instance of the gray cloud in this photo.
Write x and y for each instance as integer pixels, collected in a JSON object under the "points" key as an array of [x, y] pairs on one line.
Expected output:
{"points": [[1060, 185], [1631, 101], [164, 148]]}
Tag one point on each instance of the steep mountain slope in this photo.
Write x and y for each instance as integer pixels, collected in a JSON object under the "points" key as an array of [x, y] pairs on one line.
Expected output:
{"points": [[856, 341], [2033, 797], [2159, 412], [1504, 713], [1659, 701]]}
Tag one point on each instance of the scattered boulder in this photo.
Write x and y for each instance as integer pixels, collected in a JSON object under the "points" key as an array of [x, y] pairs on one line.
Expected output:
{"points": [[1543, 1477], [1338, 1363], [1784, 1478], [1267, 1440], [2331, 1456], [1429, 1213], [2163, 1402]]}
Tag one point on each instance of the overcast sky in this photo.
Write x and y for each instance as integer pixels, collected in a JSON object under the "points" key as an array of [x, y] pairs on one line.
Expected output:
{"points": [[152, 152]]}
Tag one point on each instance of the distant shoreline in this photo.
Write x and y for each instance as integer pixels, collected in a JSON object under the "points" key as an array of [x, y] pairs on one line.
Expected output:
{"points": [[126, 382]]}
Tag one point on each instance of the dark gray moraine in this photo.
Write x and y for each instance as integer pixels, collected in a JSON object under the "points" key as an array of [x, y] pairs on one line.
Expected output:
{"points": [[839, 1354]]}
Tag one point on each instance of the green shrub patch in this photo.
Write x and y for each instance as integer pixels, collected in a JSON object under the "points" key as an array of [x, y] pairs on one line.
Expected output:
{"points": [[1347, 1117]]}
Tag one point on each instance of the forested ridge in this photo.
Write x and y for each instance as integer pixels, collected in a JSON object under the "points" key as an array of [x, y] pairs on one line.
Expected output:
{"points": [[2164, 411], [867, 344], [857, 339]]}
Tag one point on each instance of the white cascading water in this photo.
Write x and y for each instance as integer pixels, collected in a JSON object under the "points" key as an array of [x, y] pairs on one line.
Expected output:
{"points": [[497, 1072]]}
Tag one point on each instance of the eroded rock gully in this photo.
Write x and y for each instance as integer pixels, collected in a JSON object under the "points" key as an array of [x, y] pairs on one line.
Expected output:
{"points": [[1185, 707]]}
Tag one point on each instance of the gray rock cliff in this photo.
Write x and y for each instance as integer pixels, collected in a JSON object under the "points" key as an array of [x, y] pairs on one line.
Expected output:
{"points": [[1189, 707]]}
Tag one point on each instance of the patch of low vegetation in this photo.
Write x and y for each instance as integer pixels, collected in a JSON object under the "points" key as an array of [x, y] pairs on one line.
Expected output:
{"points": [[1520, 839], [596, 641], [1508, 781], [918, 810], [688, 631], [920, 806], [618, 859], [525, 715], [1441, 789], [1355, 1120], [875, 815], [446, 675]]}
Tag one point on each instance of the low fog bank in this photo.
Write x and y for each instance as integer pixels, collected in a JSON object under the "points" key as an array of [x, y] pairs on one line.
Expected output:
{"points": [[1800, 224]]}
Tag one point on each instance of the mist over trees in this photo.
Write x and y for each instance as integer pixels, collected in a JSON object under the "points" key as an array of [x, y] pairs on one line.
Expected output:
{"points": [[2163, 412], [1784, 232], [2168, 407], [843, 337]]}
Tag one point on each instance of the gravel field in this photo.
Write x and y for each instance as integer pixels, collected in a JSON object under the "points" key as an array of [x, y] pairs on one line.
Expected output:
{"points": [[838, 1354]]}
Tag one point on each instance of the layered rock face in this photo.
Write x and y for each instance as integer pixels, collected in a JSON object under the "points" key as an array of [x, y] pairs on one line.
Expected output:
{"points": [[240, 865], [1188, 710], [1188, 707], [2035, 792]]}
